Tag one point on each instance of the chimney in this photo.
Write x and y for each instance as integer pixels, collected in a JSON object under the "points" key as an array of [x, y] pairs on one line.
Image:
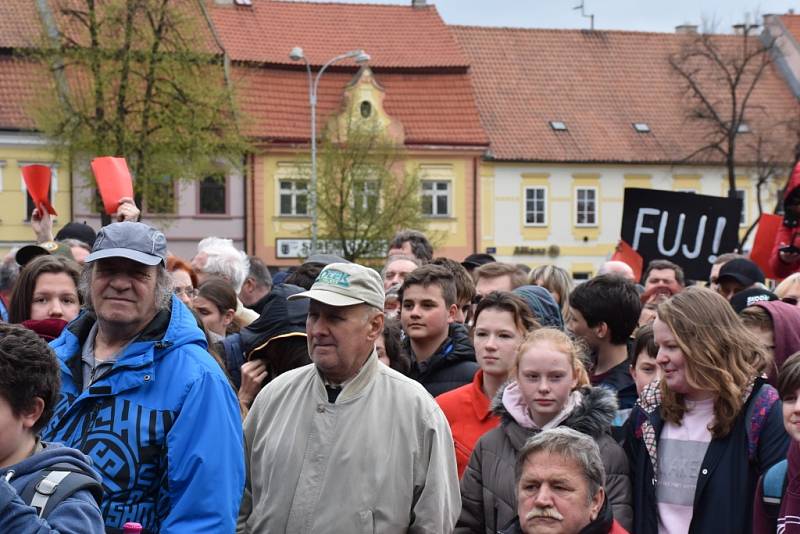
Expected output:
{"points": [[686, 28], [744, 28], [419, 3]]}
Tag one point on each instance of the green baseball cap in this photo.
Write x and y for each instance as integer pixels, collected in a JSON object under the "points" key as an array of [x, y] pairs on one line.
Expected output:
{"points": [[346, 284]]}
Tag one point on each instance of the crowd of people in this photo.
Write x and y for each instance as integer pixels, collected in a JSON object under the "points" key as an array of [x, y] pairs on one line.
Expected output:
{"points": [[433, 395]]}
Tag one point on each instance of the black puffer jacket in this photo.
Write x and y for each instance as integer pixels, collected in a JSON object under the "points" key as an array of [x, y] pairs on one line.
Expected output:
{"points": [[452, 366], [488, 492]]}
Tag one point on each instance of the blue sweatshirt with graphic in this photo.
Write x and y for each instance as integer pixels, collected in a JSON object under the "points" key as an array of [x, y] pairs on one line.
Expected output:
{"points": [[78, 514]]}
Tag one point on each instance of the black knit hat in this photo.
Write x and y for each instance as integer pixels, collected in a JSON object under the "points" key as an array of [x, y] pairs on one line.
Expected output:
{"points": [[80, 231]]}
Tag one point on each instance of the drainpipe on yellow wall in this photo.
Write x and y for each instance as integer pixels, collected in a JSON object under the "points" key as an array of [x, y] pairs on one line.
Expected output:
{"points": [[475, 167]]}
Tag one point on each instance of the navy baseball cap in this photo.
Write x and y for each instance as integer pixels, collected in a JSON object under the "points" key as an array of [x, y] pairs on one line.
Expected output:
{"points": [[132, 240]]}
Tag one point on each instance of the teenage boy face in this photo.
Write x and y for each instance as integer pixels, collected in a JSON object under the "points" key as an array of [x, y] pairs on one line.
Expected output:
{"points": [[645, 371], [424, 314], [767, 338], [578, 326], [15, 432], [791, 414]]}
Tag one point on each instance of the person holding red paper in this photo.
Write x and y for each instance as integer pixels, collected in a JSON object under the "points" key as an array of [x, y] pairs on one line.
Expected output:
{"points": [[42, 225], [113, 181], [37, 182], [785, 257]]}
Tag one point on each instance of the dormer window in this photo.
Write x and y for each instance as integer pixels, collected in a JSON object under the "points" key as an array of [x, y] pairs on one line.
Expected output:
{"points": [[558, 126], [641, 127], [366, 109]]}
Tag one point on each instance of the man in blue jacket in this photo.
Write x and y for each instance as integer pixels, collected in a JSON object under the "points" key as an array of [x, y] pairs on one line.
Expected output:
{"points": [[142, 397]]}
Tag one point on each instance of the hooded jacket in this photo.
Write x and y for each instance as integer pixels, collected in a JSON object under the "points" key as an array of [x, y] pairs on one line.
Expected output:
{"points": [[786, 331], [723, 499], [451, 366], [162, 427], [488, 492], [788, 233], [77, 514], [604, 523]]}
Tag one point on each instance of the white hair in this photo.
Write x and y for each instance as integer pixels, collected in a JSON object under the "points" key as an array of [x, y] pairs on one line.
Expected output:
{"points": [[225, 260]]}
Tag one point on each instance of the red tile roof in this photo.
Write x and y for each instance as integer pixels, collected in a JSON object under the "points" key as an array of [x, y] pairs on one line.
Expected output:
{"points": [[20, 25], [434, 109], [394, 36], [20, 82], [792, 24], [598, 83]]}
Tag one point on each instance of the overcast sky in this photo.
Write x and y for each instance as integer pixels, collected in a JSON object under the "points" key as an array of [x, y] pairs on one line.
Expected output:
{"points": [[638, 15]]}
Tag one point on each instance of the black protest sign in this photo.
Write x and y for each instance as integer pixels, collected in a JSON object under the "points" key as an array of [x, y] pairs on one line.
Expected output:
{"points": [[688, 229]]}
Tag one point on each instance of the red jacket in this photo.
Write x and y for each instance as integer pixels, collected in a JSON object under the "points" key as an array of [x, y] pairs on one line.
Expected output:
{"points": [[786, 235], [467, 411]]}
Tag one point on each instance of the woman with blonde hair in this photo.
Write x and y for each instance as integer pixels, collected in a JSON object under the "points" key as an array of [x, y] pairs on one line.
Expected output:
{"points": [[557, 281], [703, 433], [549, 388]]}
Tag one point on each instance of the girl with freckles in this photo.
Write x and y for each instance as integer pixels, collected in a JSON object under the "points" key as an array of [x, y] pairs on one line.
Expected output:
{"points": [[549, 387]]}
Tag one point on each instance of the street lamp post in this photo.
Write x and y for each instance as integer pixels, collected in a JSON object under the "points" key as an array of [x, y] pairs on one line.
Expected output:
{"points": [[297, 54]]}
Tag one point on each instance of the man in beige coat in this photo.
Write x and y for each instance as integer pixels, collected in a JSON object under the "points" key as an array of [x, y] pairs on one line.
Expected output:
{"points": [[347, 444]]}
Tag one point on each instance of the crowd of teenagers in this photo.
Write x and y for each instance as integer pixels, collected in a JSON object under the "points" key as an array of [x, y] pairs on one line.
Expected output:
{"points": [[432, 395]]}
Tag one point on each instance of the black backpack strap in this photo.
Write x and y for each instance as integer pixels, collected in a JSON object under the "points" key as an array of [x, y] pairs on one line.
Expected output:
{"points": [[234, 357], [57, 483]]}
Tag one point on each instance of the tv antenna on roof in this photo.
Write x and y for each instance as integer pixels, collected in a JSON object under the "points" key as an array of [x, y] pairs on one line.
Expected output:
{"points": [[583, 14]]}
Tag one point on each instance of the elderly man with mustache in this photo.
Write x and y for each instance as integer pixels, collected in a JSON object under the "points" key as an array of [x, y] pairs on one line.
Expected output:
{"points": [[560, 487]]}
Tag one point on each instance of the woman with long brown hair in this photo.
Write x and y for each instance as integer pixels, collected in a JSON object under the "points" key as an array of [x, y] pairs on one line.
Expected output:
{"points": [[46, 296], [709, 427]]}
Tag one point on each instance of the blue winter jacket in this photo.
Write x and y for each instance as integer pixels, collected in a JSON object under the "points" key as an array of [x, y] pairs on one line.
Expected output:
{"points": [[78, 514], [162, 427]]}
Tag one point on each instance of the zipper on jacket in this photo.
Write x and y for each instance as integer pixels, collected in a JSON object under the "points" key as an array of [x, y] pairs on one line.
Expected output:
{"points": [[90, 424]]}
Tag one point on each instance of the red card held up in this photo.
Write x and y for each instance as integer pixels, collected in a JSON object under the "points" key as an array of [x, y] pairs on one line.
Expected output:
{"points": [[113, 181], [768, 226], [626, 254], [37, 182]]}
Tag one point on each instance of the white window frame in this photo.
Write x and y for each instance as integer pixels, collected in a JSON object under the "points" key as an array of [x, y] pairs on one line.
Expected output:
{"points": [[743, 213], [365, 189], [2, 177], [293, 192], [578, 191], [541, 189], [435, 193]]}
